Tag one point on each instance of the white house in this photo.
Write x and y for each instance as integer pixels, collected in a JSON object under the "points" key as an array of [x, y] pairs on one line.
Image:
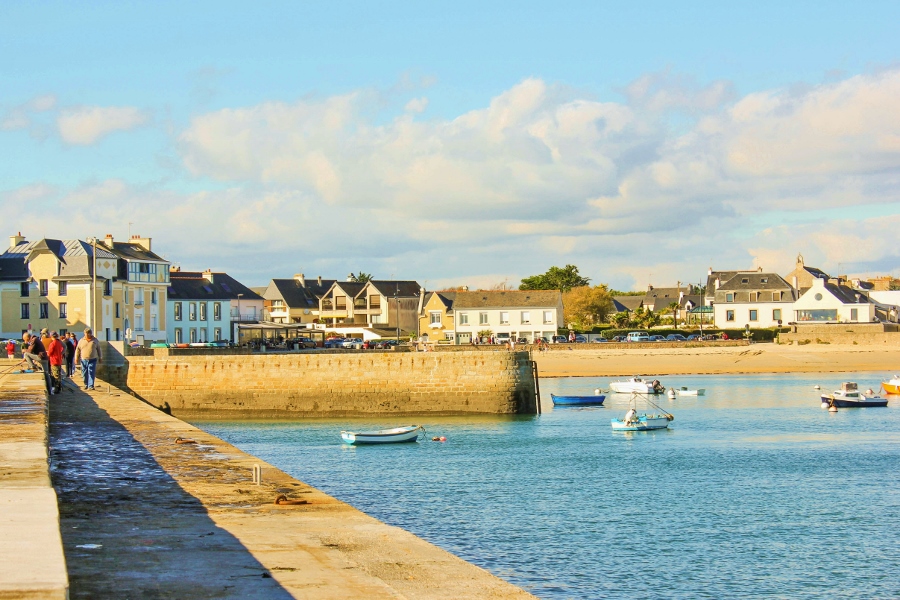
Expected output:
{"points": [[750, 298], [459, 317], [828, 301], [205, 307]]}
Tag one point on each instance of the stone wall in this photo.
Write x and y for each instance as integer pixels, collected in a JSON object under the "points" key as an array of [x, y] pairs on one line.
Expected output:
{"points": [[866, 334], [319, 384]]}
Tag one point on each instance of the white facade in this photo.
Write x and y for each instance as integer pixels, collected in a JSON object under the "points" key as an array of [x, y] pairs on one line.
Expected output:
{"points": [[819, 305], [529, 323], [192, 321], [731, 315]]}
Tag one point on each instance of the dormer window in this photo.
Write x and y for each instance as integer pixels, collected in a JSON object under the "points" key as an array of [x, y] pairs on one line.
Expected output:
{"points": [[745, 280], [764, 280], [729, 297]]}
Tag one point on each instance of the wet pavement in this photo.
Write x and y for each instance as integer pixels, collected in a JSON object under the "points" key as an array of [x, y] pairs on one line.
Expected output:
{"points": [[129, 530]]}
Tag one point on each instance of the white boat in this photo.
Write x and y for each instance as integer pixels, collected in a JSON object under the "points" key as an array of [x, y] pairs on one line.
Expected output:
{"points": [[686, 392], [638, 385], [849, 396], [397, 435], [641, 422]]}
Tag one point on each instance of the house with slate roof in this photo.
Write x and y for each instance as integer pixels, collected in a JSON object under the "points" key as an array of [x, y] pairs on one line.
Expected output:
{"points": [[205, 307], [752, 298], [627, 303], [382, 304], [658, 300], [65, 285], [294, 300], [832, 301], [802, 277], [459, 317]]}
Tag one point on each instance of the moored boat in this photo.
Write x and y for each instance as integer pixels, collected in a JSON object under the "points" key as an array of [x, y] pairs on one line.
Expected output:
{"points": [[397, 435], [642, 422], [686, 392], [595, 400], [850, 397], [891, 386], [637, 384]]}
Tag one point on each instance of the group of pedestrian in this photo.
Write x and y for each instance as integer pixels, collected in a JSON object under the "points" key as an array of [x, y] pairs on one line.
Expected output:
{"points": [[57, 356]]}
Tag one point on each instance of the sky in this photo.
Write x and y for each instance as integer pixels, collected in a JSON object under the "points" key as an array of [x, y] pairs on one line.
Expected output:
{"points": [[459, 143]]}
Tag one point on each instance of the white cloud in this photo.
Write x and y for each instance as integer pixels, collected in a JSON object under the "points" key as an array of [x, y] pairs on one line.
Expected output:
{"points": [[85, 125]]}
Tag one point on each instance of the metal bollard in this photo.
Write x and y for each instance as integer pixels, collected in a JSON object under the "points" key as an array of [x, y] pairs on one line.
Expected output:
{"points": [[257, 474]]}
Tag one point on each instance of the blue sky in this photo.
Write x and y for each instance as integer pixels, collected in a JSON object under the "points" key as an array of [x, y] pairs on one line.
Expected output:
{"points": [[447, 143]]}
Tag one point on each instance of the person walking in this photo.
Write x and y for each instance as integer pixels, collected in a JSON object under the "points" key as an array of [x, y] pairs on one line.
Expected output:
{"points": [[74, 340], [88, 351], [10, 349], [69, 354], [55, 352], [36, 351]]}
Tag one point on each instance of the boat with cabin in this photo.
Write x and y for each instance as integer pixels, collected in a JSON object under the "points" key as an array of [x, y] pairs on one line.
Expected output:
{"points": [[849, 396], [397, 435], [638, 385], [633, 421]]}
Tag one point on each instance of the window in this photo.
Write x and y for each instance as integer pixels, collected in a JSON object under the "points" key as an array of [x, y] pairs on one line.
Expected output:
{"points": [[504, 317], [63, 288], [776, 314], [729, 315], [754, 314], [177, 307], [139, 297], [482, 318], [179, 336], [118, 334], [375, 301], [217, 311], [118, 311], [192, 311], [45, 310], [745, 280], [125, 292], [63, 310], [340, 303], [138, 322], [817, 315], [152, 296], [463, 319], [729, 297], [23, 289], [217, 334], [43, 287], [854, 314], [107, 289], [26, 311], [450, 336], [153, 324], [764, 280], [548, 316], [526, 317], [193, 335], [435, 318], [63, 332], [203, 311], [754, 296]]}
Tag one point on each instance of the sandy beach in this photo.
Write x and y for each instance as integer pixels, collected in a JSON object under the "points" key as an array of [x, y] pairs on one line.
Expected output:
{"points": [[564, 361]]}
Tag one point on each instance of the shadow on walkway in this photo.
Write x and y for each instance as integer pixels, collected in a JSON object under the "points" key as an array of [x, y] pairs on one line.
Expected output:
{"points": [[128, 529]]}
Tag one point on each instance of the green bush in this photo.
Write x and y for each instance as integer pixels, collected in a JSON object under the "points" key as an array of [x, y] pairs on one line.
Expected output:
{"points": [[757, 335]]}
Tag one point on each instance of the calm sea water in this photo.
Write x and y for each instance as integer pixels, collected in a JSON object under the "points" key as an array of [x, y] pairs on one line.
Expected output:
{"points": [[754, 491]]}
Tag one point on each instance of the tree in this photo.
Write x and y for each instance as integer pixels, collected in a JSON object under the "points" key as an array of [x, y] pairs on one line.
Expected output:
{"points": [[621, 320], [556, 278], [361, 277], [674, 306], [586, 306]]}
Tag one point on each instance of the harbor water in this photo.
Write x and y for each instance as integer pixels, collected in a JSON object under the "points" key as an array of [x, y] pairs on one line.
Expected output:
{"points": [[753, 492]]}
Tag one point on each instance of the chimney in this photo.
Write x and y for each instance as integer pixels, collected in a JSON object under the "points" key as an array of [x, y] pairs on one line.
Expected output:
{"points": [[350, 277], [208, 275], [717, 283], [320, 281], [649, 288], [710, 271], [299, 277], [141, 242], [108, 241], [794, 282], [15, 240], [174, 269]]}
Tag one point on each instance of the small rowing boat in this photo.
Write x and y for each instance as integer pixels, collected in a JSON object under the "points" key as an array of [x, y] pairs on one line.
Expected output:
{"points": [[595, 400], [642, 422], [397, 435]]}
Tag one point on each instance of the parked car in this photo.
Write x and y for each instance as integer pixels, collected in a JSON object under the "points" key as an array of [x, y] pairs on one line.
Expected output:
{"points": [[694, 338], [657, 338], [521, 341], [501, 338], [676, 337], [638, 336], [619, 338], [352, 343], [386, 344], [600, 340], [335, 342], [580, 339], [560, 339], [304, 342]]}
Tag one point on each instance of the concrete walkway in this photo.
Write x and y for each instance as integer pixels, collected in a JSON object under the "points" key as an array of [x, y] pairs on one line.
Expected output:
{"points": [[32, 564], [145, 517]]}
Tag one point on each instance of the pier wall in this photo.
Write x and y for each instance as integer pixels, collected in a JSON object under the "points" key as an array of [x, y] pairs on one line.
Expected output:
{"points": [[318, 384]]}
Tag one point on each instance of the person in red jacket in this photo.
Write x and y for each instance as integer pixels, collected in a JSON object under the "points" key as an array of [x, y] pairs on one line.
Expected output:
{"points": [[11, 349], [55, 352]]}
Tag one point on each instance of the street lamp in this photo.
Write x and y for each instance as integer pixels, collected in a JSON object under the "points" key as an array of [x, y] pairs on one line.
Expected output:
{"points": [[397, 302], [239, 296], [93, 242]]}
